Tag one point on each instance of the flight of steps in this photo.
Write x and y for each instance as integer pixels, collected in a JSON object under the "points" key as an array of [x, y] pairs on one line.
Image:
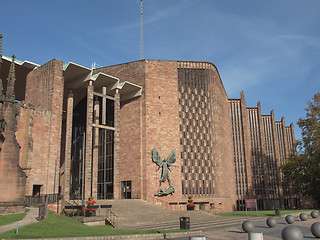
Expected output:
{"points": [[139, 214], [132, 212]]}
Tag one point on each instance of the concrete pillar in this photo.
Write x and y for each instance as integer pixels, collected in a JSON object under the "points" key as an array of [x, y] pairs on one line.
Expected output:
{"points": [[67, 163], [95, 151], [116, 171], [88, 158]]}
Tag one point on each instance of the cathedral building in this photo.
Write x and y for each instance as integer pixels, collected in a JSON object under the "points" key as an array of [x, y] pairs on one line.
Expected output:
{"points": [[260, 146], [156, 130]]}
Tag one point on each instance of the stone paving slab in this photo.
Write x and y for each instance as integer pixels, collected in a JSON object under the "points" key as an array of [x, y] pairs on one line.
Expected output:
{"points": [[236, 232]]}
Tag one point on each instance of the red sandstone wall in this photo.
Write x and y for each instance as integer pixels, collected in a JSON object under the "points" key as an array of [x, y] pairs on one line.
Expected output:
{"points": [[130, 146], [247, 143], [162, 123], [153, 121], [142, 127], [44, 86], [223, 155], [24, 135], [24, 138], [40, 166], [131, 160], [12, 177], [44, 91], [33, 137]]}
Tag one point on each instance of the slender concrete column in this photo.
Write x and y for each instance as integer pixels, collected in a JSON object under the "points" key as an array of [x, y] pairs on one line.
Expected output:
{"points": [[116, 171], [95, 151], [67, 161], [88, 159]]}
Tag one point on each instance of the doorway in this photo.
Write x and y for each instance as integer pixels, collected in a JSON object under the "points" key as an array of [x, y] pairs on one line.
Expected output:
{"points": [[126, 189], [36, 191]]}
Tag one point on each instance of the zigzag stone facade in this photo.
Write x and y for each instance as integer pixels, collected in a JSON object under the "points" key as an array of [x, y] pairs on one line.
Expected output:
{"points": [[90, 132], [260, 146]]}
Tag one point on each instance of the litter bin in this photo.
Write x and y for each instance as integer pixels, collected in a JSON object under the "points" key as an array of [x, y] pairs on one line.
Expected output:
{"points": [[277, 212], [184, 223]]}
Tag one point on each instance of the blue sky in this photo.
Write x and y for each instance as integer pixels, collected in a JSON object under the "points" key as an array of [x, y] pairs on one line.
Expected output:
{"points": [[268, 49]]}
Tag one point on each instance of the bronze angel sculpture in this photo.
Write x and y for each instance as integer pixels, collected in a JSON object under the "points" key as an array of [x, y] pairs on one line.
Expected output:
{"points": [[165, 164]]}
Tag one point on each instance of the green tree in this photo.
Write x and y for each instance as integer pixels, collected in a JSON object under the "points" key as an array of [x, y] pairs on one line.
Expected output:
{"points": [[303, 166]]}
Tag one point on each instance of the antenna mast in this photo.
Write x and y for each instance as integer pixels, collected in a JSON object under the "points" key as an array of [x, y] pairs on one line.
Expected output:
{"points": [[141, 33]]}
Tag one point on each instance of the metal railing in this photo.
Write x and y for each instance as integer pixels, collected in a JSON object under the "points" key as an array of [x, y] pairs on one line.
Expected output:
{"points": [[100, 211], [112, 218], [42, 199]]}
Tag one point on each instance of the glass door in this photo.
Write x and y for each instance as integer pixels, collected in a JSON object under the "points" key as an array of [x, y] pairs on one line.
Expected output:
{"points": [[126, 189]]}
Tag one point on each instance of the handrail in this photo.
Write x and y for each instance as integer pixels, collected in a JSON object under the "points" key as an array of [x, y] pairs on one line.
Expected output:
{"points": [[72, 202], [112, 218]]}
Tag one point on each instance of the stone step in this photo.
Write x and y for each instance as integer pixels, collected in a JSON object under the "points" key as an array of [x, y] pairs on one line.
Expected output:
{"points": [[139, 214]]}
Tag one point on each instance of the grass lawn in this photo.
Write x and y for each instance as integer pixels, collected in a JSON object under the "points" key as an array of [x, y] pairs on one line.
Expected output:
{"points": [[61, 226], [10, 218], [267, 213]]}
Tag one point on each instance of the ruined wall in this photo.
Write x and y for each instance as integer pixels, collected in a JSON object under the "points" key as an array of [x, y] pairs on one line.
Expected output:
{"points": [[44, 91], [33, 137], [12, 177]]}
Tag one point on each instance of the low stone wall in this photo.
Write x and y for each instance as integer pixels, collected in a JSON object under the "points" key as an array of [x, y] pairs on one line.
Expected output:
{"points": [[12, 207], [137, 236]]}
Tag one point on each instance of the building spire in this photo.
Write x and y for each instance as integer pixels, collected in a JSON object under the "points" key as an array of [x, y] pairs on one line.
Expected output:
{"points": [[2, 122], [10, 97], [141, 32], [1, 92], [1, 86], [0, 50]]}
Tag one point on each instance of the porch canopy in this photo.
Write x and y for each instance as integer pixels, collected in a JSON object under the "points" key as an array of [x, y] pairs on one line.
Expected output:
{"points": [[77, 77]]}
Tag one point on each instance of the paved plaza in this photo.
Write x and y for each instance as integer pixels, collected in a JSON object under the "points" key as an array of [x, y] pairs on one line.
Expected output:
{"points": [[211, 226], [236, 232]]}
